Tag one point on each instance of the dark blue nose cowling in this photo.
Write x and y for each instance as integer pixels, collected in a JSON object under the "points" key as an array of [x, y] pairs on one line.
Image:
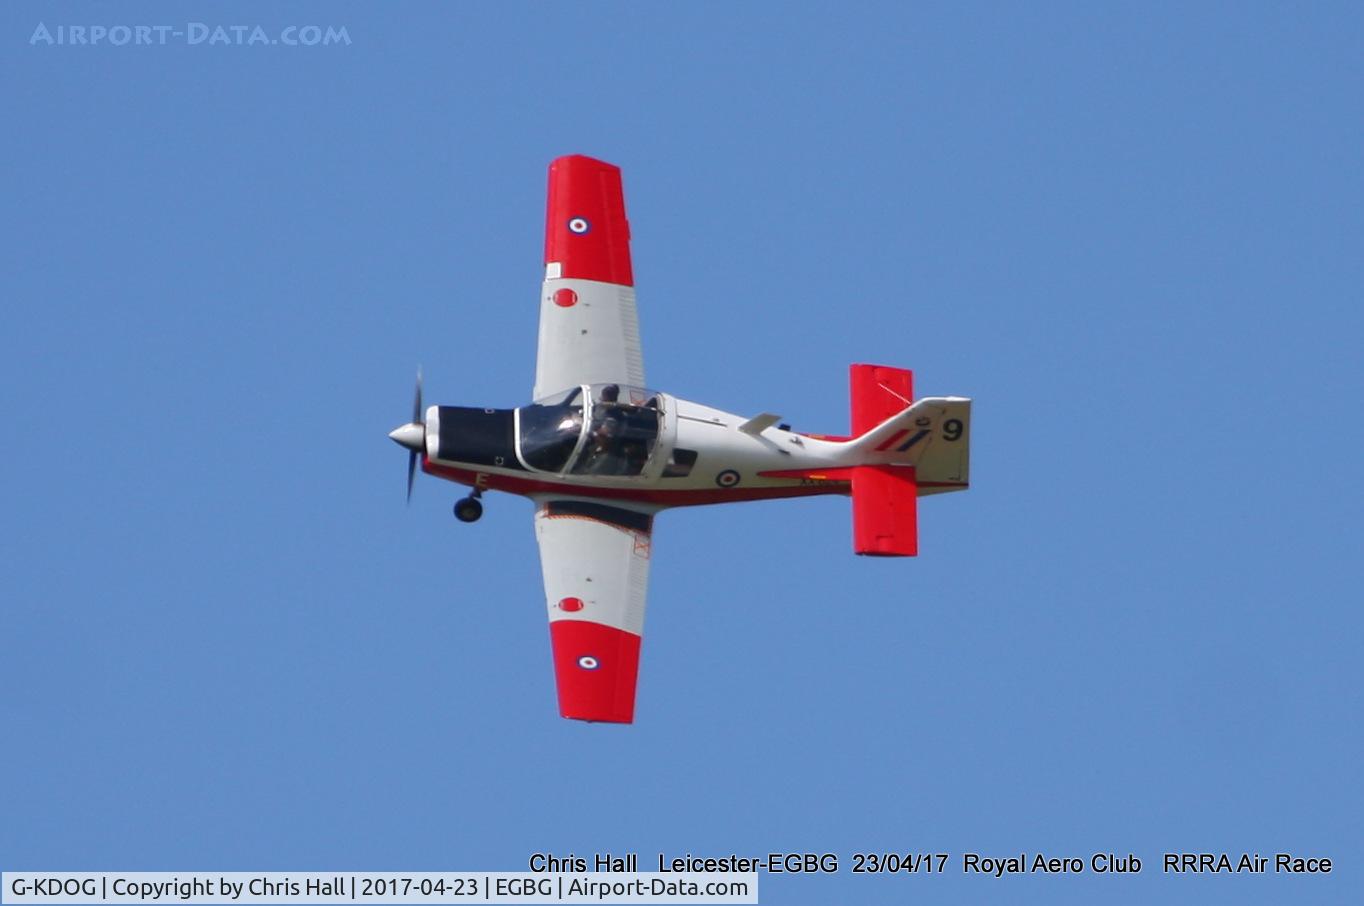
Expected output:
{"points": [[483, 437]]}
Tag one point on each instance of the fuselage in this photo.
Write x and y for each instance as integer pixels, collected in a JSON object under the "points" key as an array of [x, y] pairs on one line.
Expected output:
{"points": [[625, 443]]}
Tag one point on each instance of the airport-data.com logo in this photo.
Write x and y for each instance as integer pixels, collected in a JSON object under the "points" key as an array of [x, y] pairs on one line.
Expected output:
{"points": [[193, 34]]}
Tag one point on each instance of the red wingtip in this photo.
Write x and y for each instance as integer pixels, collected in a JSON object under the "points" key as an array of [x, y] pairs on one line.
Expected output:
{"points": [[586, 232], [596, 668]]}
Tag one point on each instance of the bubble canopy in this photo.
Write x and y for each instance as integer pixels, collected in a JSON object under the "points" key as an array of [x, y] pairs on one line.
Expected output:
{"points": [[594, 429]]}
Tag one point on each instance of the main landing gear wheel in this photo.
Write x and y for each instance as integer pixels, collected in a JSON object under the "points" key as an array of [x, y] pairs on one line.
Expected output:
{"points": [[468, 509]]}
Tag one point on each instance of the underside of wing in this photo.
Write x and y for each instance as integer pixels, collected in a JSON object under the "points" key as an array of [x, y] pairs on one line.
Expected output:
{"points": [[595, 559], [589, 327]]}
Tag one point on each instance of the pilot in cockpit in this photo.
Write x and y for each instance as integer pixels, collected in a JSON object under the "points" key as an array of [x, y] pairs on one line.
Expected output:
{"points": [[600, 457], [613, 446]]}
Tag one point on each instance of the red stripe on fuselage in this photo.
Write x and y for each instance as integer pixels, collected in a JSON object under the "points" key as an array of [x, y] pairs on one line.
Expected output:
{"points": [[515, 484]]}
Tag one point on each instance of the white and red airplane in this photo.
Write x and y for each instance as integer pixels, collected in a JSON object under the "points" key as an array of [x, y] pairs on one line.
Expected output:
{"points": [[600, 454]]}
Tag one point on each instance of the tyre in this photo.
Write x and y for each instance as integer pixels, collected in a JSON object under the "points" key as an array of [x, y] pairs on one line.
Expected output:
{"points": [[467, 509]]}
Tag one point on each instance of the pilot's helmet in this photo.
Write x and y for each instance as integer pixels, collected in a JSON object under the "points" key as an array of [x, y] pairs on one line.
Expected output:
{"points": [[610, 393]]}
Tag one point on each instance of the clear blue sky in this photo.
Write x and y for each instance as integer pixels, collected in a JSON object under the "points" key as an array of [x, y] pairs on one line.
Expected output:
{"points": [[1131, 233]]}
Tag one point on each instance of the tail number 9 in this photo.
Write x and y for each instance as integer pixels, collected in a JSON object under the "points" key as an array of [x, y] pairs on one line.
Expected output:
{"points": [[951, 429]]}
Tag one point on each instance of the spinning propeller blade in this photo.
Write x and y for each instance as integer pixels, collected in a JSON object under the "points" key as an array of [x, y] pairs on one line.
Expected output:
{"points": [[416, 420], [412, 435]]}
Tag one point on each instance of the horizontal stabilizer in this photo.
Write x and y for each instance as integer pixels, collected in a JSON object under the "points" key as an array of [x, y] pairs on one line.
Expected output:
{"points": [[885, 511], [878, 392]]}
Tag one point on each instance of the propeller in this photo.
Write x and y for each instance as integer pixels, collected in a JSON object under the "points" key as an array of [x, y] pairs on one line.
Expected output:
{"points": [[412, 435]]}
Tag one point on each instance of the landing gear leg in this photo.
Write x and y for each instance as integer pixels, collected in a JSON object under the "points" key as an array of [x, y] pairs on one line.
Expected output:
{"points": [[468, 509]]}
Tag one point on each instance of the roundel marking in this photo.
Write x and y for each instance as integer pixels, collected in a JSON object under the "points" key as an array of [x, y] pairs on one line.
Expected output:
{"points": [[579, 226], [727, 479], [565, 298], [571, 605], [588, 662]]}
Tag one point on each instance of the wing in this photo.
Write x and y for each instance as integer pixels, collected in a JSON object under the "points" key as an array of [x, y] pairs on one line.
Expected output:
{"points": [[595, 559], [589, 329]]}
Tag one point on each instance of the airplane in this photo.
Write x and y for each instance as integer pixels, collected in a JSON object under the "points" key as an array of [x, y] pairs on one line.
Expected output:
{"points": [[600, 454]]}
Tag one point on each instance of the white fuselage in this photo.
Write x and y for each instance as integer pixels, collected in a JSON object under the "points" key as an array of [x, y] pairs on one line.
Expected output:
{"points": [[729, 464]]}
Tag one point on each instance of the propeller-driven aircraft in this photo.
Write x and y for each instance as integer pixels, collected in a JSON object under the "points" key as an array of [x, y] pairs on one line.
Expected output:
{"points": [[600, 454]]}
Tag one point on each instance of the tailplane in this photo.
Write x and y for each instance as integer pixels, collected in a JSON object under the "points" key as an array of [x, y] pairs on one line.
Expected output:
{"points": [[901, 449]]}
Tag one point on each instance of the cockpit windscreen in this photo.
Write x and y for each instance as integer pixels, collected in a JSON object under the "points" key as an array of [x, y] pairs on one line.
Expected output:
{"points": [[611, 430], [550, 429]]}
